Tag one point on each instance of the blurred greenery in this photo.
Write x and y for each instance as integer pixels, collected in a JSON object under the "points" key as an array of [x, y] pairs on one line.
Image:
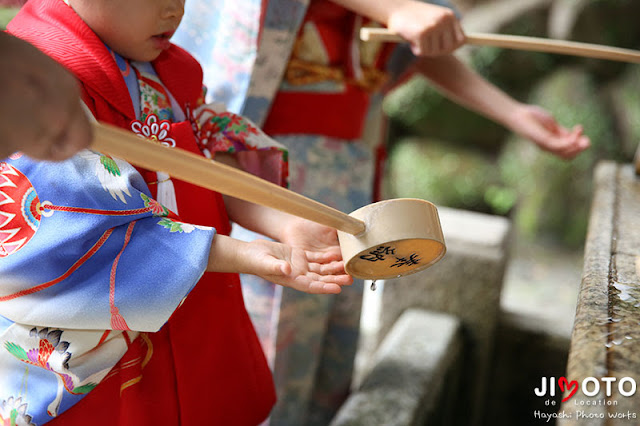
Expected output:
{"points": [[625, 104], [446, 175], [516, 71], [607, 22], [7, 14]]}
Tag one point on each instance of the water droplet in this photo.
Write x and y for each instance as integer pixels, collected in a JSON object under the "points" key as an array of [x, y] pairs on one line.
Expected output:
{"points": [[624, 292], [373, 285]]}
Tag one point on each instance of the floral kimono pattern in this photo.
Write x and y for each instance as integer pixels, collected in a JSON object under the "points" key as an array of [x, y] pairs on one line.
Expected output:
{"points": [[68, 309]]}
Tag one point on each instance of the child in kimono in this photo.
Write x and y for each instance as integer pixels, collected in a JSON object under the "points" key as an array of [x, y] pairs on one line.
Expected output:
{"points": [[120, 301]]}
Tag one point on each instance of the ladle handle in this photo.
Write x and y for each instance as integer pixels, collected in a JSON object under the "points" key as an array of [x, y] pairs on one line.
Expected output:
{"points": [[534, 44], [218, 177]]}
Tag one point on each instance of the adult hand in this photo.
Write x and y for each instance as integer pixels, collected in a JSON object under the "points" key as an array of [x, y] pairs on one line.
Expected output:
{"points": [[539, 126], [40, 110], [431, 30]]}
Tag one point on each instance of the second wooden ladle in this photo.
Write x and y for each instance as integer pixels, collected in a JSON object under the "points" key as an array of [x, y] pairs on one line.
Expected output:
{"points": [[534, 44]]}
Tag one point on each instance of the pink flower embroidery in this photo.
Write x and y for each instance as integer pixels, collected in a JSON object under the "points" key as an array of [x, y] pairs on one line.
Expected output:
{"points": [[154, 130], [218, 142], [238, 126]]}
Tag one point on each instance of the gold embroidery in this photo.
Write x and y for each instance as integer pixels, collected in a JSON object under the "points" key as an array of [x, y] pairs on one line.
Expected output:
{"points": [[149, 354], [143, 364], [302, 71], [159, 181], [130, 383]]}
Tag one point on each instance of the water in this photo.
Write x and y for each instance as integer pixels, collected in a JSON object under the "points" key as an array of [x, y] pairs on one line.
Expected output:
{"points": [[625, 292]]}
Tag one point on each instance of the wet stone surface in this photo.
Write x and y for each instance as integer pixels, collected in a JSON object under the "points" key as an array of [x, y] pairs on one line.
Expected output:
{"points": [[606, 336]]}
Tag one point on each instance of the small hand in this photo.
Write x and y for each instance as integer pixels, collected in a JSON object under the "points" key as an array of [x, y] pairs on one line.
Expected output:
{"points": [[536, 124], [307, 235], [302, 270], [430, 29]]}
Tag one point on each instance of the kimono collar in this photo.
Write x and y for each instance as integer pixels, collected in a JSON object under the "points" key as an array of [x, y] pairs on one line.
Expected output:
{"points": [[53, 27]]}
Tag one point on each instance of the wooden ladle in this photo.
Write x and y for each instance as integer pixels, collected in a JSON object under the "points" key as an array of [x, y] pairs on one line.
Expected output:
{"points": [[534, 44], [381, 240]]}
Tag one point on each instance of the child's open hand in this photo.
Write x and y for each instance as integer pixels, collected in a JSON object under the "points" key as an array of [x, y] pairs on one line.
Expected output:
{"points": [[303, 270], [311, 271], [312, 236]]}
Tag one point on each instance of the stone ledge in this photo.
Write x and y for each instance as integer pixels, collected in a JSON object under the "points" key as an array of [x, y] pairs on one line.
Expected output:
{"points": [[475, 234], [409, 373], [606, 340]]}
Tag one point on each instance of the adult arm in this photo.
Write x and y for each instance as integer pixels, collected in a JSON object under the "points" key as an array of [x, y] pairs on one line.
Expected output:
{"points": [[463, 85]]}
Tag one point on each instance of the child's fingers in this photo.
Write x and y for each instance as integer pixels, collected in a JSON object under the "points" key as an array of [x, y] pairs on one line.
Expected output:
{"points": [[339, 279], [321, 284], [317, 287], [324, 256], [332, 268], [344, 279], [278, 268], [285, 268]]}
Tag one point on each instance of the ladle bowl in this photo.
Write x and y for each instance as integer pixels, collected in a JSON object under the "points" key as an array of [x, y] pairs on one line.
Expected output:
{"points": [[402, 236]]}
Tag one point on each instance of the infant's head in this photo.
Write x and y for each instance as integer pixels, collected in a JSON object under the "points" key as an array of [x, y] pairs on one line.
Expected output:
{"points": [[136, 29]]}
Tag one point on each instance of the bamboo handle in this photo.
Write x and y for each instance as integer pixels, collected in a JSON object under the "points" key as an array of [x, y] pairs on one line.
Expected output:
{"points": [[534, 44], [218, 177]]}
